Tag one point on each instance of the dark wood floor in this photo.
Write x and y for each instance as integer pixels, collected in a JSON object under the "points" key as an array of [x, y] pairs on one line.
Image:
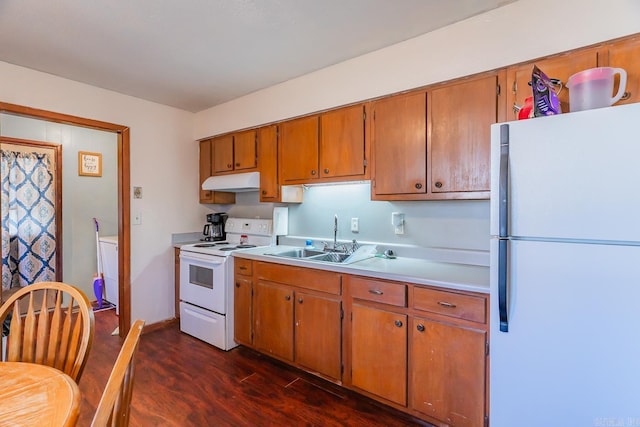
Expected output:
{"points": [[181, 381]]}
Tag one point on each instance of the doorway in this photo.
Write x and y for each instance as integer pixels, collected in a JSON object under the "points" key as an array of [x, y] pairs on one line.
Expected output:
{"points": [[122, 132]]}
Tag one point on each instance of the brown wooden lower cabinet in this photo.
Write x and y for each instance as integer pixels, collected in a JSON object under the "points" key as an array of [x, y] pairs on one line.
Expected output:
{"points": [[318, 334], [447, 372], [379, 352], [273, 319], [419, 349]]}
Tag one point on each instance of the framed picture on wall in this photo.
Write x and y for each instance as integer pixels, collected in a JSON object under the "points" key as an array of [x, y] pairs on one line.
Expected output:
{"points": [[89, 164]]}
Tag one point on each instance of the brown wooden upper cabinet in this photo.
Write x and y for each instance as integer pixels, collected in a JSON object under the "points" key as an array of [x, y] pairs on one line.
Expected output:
{"points": [[326, 147], [435, 144], [559, 67], [235, 152], [268, 155], [206, 170], [400, 145]]}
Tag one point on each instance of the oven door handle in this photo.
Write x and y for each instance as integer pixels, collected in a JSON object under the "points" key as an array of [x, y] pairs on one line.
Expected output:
{"points": [[200, 258]]}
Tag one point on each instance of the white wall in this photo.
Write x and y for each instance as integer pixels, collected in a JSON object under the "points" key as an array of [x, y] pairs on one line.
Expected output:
{"points": [[514, 33], [164, 161]]}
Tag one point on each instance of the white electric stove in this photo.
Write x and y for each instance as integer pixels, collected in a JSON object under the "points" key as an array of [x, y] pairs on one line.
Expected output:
{"points": [[206, 280]]}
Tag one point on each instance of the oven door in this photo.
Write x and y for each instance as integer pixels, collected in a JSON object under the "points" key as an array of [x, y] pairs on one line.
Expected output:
{"points": [[203, 280]]}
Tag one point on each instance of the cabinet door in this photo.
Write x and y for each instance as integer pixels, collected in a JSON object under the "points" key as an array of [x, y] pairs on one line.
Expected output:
{"points": [[400, 145], [448, 372], [317, 334], [626, 54], [342, 145], [379, 352], [558, 67], [222, 148], [268, 155], [460, 119], [273, 319], [206, 196], [242, 309], [245, 150], [298, 150]]}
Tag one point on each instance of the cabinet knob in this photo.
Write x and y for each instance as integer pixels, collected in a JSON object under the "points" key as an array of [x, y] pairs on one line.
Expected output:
{"points": [[398, 323], [237, 285], [313, 172], [418, 185], [300, 300], [237, 164], [438, 184], [287, 297], [229, 165], [420, 327], [264, 192], [326, 170]]}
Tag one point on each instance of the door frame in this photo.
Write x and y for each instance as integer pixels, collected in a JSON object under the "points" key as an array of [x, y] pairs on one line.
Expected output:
{"points": [[124, 204]]}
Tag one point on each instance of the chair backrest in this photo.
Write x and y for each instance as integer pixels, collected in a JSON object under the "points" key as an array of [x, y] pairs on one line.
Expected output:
{"points": [[51, 323], [113, 408]]}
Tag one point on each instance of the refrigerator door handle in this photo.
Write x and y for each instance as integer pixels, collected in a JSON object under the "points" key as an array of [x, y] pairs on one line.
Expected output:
{"points": [[503, 212], [502, 284], [503, 193]]}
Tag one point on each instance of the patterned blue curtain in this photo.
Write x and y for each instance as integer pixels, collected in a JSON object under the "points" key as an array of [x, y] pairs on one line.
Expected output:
{"points": [[28, 219]]}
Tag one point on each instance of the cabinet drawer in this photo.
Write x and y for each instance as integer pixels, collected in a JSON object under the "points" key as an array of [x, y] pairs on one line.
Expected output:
{"points": [[391, 293], [243, 267], [308, 278], [450, 304]]}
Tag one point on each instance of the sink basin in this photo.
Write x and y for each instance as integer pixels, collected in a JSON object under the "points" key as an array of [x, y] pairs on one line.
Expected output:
{"points": [[312, 255], [330, 257], [298, 253]]}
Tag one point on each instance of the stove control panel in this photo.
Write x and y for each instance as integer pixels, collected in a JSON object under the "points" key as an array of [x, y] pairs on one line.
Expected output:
{"points": [[256, 227]]}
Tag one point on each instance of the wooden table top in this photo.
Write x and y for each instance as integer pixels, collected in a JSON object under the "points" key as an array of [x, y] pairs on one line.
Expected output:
{"points": [[37, 395]]}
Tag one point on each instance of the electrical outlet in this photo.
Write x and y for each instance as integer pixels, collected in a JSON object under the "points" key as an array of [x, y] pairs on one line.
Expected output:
{"points": [[137, 219], [355, 226]]}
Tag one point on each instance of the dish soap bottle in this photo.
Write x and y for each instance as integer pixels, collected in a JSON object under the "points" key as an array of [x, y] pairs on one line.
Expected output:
{"points": [[309, 244]]}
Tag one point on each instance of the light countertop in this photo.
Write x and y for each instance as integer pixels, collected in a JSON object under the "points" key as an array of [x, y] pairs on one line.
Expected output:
{"points": [[463, 277]]}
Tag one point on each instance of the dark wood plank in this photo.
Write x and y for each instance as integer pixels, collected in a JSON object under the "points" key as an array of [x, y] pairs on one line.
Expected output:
{"points": [[181, 381]]}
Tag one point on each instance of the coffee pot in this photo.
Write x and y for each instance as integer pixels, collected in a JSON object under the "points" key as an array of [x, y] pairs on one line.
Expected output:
{"points": [[214, 229]]}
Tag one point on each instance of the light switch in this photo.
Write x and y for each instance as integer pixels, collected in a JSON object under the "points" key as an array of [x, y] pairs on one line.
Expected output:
{"points": [[355, 226]]}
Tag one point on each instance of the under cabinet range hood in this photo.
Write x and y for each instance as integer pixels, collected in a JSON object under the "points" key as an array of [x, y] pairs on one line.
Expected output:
{"points": [[234, 183]]}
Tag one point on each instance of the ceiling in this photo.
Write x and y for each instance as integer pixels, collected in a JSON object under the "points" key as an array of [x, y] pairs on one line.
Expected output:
{"points": [[195, 54]]}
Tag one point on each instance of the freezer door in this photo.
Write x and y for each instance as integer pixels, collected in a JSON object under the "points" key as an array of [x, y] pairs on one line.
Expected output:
{"points": [[572, 176], [572, 353]]}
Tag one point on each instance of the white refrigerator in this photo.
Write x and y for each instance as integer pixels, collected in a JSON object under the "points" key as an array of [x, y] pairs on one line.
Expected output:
{"points": [[565, 270]]}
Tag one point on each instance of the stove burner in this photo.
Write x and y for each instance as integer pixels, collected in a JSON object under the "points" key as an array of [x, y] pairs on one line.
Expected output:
{"points": [[209, 245], [231, 248]]}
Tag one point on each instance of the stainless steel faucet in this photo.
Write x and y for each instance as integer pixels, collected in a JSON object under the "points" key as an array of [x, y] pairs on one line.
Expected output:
{"points": [[335, 232]]}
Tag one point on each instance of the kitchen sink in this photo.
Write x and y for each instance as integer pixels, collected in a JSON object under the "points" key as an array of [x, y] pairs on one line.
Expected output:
{"points": [[298, 253], [312, 255]]}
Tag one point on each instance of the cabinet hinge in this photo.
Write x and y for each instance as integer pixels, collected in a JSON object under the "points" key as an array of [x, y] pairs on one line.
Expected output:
{"points": [[364, 162], [341, 369], [341, 313], [486, 348], [364, 116], [498, 90], [486, 421], [514, 87]]}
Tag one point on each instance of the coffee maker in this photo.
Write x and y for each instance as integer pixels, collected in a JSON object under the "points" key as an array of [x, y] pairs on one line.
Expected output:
{"points": [[214, 229]]}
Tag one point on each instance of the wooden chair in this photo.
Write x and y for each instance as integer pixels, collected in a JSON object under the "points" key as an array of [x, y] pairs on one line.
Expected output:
{"points": [[113, 408], [51, 323]]}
